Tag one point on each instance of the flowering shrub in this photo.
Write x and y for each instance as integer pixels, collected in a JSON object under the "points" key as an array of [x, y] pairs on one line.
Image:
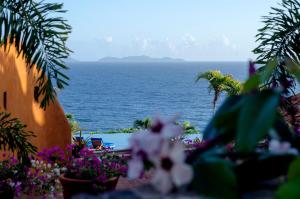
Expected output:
{"points": [[55, 155], [10, 176], [38, 178], [42, 179], [87, 165], [157, 147]]}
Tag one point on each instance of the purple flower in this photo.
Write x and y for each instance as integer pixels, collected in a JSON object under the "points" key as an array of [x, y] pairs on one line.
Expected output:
{"points": [[251, 68], [297, 129]]}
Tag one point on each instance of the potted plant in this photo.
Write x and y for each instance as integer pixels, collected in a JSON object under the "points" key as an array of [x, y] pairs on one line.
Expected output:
{"points": [[91, 174], [88, 172]]}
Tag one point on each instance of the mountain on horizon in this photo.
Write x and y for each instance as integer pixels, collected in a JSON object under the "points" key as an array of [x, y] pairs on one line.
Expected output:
{"points": [[139, 59]]}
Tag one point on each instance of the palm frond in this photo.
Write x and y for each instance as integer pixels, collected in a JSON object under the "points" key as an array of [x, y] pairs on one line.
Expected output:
{"points": [[40, 38], [279, 39], [14, 137], [220, 83]]}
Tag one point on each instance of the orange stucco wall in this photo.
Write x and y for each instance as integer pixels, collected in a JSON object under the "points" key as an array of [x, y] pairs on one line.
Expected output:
{"points": [[50, 126]]}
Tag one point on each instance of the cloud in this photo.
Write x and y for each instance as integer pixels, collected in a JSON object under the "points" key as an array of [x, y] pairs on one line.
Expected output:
{"points": [[186, 46], [145, 44], [226, 41], [108, 39], [189, 39]]}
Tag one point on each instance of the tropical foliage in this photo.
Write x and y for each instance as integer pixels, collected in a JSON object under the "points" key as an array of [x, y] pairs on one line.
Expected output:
{"points": [[146, 123], [142, 124], [14, 137], [246, 136], [74, 125], [40, 38], [279, 39], [220, 83]]}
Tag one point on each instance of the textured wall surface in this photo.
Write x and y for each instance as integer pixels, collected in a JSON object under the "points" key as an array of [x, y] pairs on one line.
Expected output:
{"points": [[50, 126]]}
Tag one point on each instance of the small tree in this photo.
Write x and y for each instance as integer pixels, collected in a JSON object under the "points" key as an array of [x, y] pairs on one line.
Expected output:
{"points": [[220, 83]]}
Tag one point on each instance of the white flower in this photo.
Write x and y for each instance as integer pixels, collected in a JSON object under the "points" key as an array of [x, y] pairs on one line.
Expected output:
{"points": [[281, 147], [64, 169], [56, 171], [12, 184], [171, 168], [48, 176], [145, 142], [166, 127], [49, 165], [32, 161], [135, 168]]}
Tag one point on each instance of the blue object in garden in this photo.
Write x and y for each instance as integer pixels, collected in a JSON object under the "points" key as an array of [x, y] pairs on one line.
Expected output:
{"points": [[109, 145]]}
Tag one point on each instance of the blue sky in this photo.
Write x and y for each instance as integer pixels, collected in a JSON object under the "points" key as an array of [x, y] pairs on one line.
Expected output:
{"points": [[198, 30]]}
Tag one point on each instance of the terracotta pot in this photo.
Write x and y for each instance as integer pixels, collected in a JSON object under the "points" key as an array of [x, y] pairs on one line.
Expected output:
{"points": [[72, 187]]}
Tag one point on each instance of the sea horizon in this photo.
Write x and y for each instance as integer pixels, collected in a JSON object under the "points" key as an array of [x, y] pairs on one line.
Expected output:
{"points": [[101, 92]]}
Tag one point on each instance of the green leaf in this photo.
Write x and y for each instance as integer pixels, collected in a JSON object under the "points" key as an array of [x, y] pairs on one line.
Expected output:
{"points": [[268, 70], [293, 68], [215, 178], [226, 115], [252, 83], [294, 170], [289, 190], [256, 118]]}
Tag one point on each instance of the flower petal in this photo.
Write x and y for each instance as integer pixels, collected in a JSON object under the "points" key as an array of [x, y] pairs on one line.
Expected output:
{"points": [[181, 174], [162, 181], [177, 154], [135, 168], [171, 131]]}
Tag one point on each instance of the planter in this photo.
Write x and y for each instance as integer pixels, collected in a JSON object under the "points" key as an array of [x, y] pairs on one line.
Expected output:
{"points": [[72, 187], [9, 194]]}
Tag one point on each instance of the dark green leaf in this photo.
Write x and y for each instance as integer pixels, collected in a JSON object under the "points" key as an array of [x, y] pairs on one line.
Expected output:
{"points": [[256, 119], [215, 178]]}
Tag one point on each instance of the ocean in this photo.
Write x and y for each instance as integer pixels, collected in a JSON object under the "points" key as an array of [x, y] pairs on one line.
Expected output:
{"points": [[104, 96]]}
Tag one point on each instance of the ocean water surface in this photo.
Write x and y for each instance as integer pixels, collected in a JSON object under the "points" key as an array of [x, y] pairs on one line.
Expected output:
{"points": [[105, 96]]}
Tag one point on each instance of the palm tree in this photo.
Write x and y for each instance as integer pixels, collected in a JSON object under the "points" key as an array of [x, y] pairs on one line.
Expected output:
{"points": [[40, 38], [220, 83], [142, 124], [279, 40]]}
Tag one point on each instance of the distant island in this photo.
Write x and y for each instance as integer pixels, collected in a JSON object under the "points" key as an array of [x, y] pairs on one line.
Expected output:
{"points": [[139, 59]]}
